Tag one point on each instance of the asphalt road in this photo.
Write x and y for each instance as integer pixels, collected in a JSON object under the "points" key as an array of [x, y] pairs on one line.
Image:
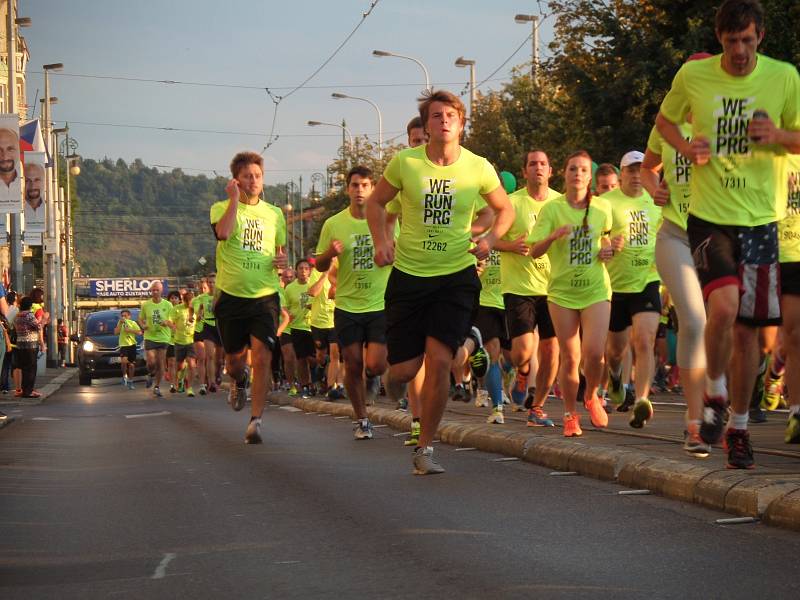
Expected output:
{"points": [[109, 494]]}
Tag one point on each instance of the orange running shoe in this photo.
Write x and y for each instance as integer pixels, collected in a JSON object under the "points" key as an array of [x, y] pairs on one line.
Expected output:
{"points": [[597, 413], [572, 426]]}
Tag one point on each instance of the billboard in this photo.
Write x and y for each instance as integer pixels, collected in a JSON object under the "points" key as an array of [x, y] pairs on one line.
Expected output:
{"points": [[123, 287], [10, 172], [35, 197]]}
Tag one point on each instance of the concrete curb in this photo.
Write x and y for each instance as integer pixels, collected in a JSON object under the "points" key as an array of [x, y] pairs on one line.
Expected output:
{"points": [[46, 390], [768, 498]]}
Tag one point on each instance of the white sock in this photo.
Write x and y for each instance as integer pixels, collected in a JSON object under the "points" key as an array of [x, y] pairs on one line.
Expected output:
{"points": [[717, 387], [738, 421], [794, 409]]}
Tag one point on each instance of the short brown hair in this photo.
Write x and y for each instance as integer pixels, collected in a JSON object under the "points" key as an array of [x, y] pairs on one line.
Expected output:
{"points": [[736, 15], [242, 159], [605, 169], [444, 97], [361, 171], [415, 123], [527, 154]]}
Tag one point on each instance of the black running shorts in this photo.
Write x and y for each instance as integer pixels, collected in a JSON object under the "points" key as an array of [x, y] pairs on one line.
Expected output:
{"points": [[626, 304], [240, 318], [526, 313]]}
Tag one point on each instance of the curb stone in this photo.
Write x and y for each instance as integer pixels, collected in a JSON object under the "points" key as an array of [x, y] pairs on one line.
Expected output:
{"points": [[772, 499]]}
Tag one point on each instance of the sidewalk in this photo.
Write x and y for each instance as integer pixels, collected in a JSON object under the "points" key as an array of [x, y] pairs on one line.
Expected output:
{"points": [[48, 382], [649, 459]]}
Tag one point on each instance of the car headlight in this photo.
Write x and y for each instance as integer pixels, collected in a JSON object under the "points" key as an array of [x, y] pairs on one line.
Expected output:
{"points": [[88, 346]]}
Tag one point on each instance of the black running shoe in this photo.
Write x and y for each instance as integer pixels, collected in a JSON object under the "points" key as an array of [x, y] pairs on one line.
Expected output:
{"points": [[237, 395], [629, 401], [713, 423], [740, 451]]}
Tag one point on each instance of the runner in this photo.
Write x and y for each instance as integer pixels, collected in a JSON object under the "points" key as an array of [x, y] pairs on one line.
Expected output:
{"points": [[127, 329], [360, 285], [745, 111], [320, 317], [183, 318], [174, 298], [209, 334], [287, 349], [298, 303], [199, 345], [574, 232], [606, 178], [433, 287], [676, 268], [636, 297], [789, 232], [153, 318], [524, 285], [250, 237]]}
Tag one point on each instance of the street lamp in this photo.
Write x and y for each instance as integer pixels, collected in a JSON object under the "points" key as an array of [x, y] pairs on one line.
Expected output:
{"points": [[382, 53], [465, 62], [343, 127], [339, 96], [534, 21]]}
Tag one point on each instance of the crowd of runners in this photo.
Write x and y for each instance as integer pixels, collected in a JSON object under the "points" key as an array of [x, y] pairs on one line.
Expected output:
{"points": [[436, 282]]}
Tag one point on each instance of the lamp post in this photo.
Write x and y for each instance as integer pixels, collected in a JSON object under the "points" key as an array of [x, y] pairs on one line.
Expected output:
{"points": [[65, 226], [534, 21], [15, 243], [345, 131], [465, 62], [340, 96], [49, 243], [382, 53]]}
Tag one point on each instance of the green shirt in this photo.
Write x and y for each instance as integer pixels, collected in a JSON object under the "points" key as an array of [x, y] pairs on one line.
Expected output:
{"points": [[742, 181], [577, 276], [789, 227], [153, 316], [298, 303], [437, 207], [321, 314], [183, 317], [360, 283], [523, 275], [677, 174], [637, 220], [491, 282], [125, 338], [244, 260]]}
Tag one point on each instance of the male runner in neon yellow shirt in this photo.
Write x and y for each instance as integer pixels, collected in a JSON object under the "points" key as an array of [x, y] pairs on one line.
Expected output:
{"points": [[298, 303], [153, 319], [745, 111], [433, 288], [183, 319], [250, 236], [636, 299], [360, 286], [127, 329]]}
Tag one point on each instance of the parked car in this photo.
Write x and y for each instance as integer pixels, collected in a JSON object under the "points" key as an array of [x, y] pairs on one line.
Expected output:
{"points": [[98, 347]]}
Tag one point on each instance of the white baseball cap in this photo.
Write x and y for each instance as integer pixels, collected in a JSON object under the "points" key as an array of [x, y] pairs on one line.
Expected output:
{"points": [[631, 158]]}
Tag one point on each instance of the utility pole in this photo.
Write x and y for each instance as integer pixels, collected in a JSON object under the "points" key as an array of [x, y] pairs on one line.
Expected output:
{"points": [[15, 243], [302, 223]]}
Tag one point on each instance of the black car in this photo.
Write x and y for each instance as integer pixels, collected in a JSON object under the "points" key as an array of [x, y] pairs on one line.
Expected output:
{"points": [[98, 347]]}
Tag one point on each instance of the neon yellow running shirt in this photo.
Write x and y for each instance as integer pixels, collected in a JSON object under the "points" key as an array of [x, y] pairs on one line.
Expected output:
{"points": [[677, 174], [789, 226], [360, 283], [298, 303], [738, 185], [154, 314], [184, 324], [577, 277], [438, 204], [321, 313], [491, 282], [244, 260], [128, 339], [637, 220], [523, 275]]}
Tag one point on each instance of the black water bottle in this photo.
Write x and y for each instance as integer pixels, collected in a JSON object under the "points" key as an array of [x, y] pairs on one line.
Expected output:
{"points": [[759, 114]]}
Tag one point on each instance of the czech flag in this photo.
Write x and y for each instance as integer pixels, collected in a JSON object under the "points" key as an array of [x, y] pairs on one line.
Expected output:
{"points": [[31, 139]]}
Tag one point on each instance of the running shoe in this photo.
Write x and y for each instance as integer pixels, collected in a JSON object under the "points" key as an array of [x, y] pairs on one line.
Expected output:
{"points": [[793, 430], [479, 359], [212, 388], [181, 387], [530, 398], [740, 451], [148, 382], [237, 395], [202, 389], [496, 418], [520, 389], [693, 445], [336, 393], [306, 392], [711, 428], [253, 433], [413, 439], [402, 404], [756, 415], [363, 431], [172, 389], [758, 388], [482, 399], [538, 418], [373, 389], [642, 413], [124, 382], [461, 393], [190, 392], [424, 463], [293, 391], [616, 391], [506, 399], [629, 401], [131, 386], [773, 389], [572, 426], [157, 392], [597, 414]]}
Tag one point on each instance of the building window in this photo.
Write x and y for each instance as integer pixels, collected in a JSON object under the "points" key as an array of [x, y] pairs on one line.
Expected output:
{"points": [[2, 98]]}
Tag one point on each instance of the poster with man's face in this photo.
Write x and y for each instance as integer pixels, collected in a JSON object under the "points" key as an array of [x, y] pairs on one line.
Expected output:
{"points": [[34, 197], [10, 172]]}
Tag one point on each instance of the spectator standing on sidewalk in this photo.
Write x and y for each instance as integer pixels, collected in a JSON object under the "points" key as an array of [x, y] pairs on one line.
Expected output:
{"points": [[5, 373], [30, 341]]}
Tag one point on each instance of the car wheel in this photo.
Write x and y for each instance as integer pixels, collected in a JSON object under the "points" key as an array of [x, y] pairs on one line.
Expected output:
{"points": [[85, 378]]}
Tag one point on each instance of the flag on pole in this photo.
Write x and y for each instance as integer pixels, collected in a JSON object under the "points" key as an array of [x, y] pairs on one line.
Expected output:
{"points": [[31, 139]]}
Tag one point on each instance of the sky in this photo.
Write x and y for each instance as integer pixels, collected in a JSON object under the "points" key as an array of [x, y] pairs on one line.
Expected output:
{"points": [[261, 44]]}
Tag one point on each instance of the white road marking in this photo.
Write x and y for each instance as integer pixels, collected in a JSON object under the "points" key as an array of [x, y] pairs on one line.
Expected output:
{"points": [[163, 413], [161, 569], [341, 417], [45, 419], [464, 449], [378, 426], [290, 409], [563, 473], [505, 459], [324, 415], [404, 434], [736, 521], [634, 492]]}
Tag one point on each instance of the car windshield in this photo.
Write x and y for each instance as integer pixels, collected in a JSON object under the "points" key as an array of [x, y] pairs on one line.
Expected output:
{"points": [[103, 324]]}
